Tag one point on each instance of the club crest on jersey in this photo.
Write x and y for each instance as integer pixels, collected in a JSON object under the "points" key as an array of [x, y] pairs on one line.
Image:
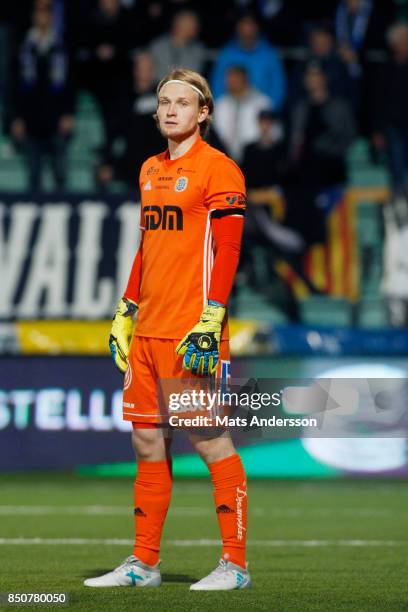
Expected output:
{"points": [[181, 184]]}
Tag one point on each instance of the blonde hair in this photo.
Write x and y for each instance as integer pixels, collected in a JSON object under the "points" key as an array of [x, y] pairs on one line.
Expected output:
{"points": [[197, 82]]}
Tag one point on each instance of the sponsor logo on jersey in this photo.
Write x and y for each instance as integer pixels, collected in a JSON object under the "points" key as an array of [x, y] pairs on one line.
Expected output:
{"points": [[166, 217], [148, 186], [152, 170], [181, 184], [186, 170], [165, 178], [236, 199]]}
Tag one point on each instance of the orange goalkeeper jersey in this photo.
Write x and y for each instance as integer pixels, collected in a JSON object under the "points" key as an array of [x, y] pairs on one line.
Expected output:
{"points": [[178, 198]]}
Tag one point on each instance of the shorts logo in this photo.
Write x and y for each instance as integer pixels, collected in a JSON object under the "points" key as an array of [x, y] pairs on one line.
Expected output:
{"points": [[128, 378], [181, 184]]}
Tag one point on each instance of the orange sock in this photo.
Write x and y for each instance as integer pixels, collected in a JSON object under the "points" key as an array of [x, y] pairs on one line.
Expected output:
{"points": [[230, 495], [152, 493]]}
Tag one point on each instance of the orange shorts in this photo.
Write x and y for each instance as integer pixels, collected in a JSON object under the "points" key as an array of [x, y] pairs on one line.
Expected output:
{"points": [[152, 360]]}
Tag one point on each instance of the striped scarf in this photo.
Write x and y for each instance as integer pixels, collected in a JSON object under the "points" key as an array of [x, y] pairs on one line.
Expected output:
{"points": [[351, 29], [33, 46]]}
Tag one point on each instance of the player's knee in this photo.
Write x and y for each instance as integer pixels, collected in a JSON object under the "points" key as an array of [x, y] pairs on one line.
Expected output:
{"points": [[149, 444], [213, 449]]}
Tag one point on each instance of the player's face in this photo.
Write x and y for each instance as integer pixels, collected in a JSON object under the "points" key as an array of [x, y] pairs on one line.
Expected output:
{"points": [[179, 112]]}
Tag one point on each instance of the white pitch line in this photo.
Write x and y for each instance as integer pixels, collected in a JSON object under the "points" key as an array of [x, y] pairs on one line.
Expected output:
{"points": [[200, 542], [65, 541], [292, 542], [40, 510], [190, 511], [91, 510]]}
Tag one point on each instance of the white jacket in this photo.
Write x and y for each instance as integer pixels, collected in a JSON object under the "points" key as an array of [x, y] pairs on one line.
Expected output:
{"points": [[236, 120]]}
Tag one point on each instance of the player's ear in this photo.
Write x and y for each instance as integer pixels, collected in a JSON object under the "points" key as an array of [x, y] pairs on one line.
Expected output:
{"points": [[203, 114]]}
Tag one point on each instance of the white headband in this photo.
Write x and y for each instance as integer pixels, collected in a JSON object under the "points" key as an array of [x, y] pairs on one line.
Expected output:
{"points": [[200, 93]]}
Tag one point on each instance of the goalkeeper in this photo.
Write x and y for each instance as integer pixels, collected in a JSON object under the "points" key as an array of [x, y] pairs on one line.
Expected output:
{"points": [[192, 213]]}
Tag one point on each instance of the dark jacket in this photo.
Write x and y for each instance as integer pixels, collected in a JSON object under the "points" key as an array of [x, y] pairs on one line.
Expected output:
{"points": [[43, 91], [320, 138], [264, 166], [342, 80], [390, 97]]}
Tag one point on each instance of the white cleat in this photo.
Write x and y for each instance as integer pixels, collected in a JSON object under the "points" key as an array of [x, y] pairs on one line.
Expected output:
{"points": [[131, 572], [225, 577]]}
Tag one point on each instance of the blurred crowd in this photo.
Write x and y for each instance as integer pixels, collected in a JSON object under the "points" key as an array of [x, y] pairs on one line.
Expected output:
{"points": [[295, 84], [309, 66]]}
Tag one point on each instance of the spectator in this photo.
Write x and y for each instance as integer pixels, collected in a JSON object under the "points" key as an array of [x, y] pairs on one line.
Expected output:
{"points": [[152, 17], [57, 9], [343, 77], [236, 112], [267, 227], [180, 47], [361, 24], [394, 283], [351, 22], [322, 129], [282, 20], [106, 48], [138, 127], [6, 37], [264, 160], [43, 100], [251, 50], [390, 103]]}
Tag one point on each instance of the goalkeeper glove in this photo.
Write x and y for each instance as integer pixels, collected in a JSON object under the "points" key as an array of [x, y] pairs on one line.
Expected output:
{"points": [[121, 332], [200, 346]]}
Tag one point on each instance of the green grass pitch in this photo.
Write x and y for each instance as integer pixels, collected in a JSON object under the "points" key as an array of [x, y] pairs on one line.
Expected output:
{"points": [[313, 545]]}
